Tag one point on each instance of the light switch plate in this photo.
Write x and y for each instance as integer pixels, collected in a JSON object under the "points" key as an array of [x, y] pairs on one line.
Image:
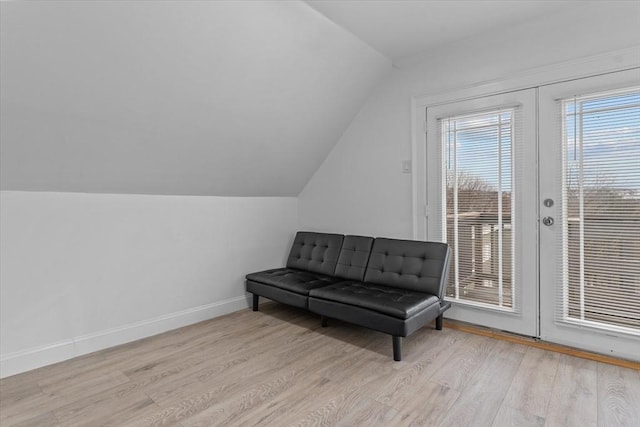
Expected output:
{"points": [[406, 166]]}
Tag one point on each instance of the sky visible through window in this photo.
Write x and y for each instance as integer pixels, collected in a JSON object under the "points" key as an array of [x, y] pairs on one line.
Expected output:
{"points": [[608, 130], [479, 149], [605, 130]]}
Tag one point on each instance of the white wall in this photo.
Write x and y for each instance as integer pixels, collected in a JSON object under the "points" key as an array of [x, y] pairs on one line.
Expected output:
{"points": [[360, 187], [80, 272]]}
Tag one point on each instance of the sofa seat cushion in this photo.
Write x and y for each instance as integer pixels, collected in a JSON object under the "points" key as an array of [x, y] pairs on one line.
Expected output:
{"points": [[392, 301], [292, 280]]}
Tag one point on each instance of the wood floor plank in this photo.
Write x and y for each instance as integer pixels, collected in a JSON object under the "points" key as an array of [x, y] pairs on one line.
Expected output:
{"points": [[396, 388], [41, 420], [146, 358], [234, 374], [209, 394], [392, 388], [183, 370], [212, 408], [427, 405], [79, 385], [283, 409], [481, 398], [463, 363], [618, 396], [279, 367], [508, 416], [80, 363], [368, 412], [265, 374], [98, 409], [531, 388], [574, 399], [355, 369], [27, 408], [334, 411], [309, 398], [12, 392], [66, 391]]}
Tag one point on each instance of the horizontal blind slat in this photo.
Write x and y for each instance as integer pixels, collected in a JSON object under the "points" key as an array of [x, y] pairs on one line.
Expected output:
{"points": [[601, 210]]}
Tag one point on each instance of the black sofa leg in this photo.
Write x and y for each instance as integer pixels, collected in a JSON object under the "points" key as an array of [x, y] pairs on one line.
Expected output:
{"points": [[256, 300], [323, 321], [439, 322], [397, 348]]}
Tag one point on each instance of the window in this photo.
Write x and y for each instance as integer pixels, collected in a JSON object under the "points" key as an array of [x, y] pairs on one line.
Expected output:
{"points": [[601, 210], [478, 211]]}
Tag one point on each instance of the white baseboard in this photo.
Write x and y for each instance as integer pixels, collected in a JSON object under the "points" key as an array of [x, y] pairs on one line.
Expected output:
{"points": [[32, 358]]}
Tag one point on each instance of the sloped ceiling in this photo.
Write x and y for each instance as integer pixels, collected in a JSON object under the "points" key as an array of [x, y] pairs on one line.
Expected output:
{"points": [[233, 98], [403, 29]]}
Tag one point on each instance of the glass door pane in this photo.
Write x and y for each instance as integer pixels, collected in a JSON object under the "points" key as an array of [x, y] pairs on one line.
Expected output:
{"points": [[601, 170], [478, 151]]}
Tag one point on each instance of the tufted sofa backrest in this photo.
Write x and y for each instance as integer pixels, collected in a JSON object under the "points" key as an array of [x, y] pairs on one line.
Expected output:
{"points": [[353, 258], [315, 252], [409, 264]]}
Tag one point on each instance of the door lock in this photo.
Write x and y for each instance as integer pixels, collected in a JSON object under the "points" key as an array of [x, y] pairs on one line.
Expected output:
{"points": [[548, 221]]}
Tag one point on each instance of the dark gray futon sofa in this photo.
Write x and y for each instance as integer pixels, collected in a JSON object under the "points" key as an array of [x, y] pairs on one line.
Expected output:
{"points": [[388, 285]]}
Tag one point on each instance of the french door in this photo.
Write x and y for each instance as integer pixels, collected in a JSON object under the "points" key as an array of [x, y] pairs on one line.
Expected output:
{"points": [[482, 200], [590, 213], [538, 193]]}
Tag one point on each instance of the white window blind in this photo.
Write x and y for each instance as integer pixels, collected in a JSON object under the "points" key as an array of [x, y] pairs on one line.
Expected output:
{"points": [[601, 211], [478, 206]]}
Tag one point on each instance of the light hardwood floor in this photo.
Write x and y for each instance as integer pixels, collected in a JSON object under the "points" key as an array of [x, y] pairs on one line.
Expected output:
{"points": [[278, 367]]}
